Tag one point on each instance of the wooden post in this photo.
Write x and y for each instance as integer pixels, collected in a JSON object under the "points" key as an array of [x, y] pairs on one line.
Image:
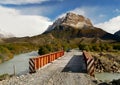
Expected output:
{"points": [[14, 70]]}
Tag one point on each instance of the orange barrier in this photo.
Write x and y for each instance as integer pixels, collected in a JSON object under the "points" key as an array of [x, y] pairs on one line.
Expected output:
{"points": [[40, 61], [89, 63]]}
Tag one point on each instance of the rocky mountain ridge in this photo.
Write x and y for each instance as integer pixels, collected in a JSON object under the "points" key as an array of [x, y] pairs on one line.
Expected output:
{"points": [[117, 33], [77, 26], [72, 20]]}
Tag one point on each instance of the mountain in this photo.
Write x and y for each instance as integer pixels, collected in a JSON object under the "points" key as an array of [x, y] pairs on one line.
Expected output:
{"points": [[72, 20], [70, 28], [77, 26], [117, 33]]}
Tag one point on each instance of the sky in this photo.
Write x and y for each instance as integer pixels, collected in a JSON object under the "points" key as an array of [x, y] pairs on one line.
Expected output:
{"points": [[32, 17]]}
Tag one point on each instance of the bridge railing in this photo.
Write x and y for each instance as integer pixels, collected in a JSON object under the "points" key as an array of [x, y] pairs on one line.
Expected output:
{"points": [[89, 60], [40, 61]]}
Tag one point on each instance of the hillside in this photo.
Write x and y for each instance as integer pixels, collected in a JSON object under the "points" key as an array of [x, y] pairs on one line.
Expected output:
{"points": [[66, 32], [77, 26], [117, 33]]}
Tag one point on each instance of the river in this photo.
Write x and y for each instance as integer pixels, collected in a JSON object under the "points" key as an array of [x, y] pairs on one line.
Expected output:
{"points": [[107, 76], [19, 64]]}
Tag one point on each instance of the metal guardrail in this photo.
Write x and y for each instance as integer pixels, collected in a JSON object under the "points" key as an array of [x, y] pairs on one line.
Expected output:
{"points": [[40, 61]]}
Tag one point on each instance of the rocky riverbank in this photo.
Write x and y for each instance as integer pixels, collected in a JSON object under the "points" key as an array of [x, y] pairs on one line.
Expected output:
{"points": [[107, 62], [114, 82]]}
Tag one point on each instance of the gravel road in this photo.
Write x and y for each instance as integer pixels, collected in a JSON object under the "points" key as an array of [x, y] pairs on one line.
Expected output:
{"points": [[67, 70]]}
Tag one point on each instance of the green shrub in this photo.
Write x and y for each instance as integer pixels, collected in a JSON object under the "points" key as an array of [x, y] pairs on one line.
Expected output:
{"points": [[4, 76], [5, 54], [96, 47], [116, 46], [99, 47], [82, 47], [43, 50]]}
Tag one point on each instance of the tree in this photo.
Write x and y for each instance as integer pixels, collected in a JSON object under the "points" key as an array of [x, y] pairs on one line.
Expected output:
{"points": [[84, 47], [43, 50]]}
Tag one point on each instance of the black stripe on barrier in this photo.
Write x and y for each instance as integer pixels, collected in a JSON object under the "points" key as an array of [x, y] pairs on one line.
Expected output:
{"points": [[89, 61], [31, 66], [91, 65]]}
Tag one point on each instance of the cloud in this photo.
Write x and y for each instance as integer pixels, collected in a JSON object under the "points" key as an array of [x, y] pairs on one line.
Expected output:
{"points": [[110, 26], [79, 11], [88, 12], [117, 10], [14, 22], [95, 13], [37, 10], [21, 1]]}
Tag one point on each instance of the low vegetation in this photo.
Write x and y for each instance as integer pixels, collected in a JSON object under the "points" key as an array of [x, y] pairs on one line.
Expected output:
{"points": [[107, 56], [8, 50], [61, 38], [45, 49], [49, 43], [101, 47], [4, 76]]}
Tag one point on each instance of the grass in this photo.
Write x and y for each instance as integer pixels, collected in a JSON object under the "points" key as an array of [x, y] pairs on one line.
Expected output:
{"points": [[4, 76]]}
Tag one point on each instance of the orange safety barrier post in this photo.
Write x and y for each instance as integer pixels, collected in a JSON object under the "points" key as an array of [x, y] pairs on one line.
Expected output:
{"points": [[55, 55], [89, 63], [43, 60], [40, 61], [51, 57], [48, 58], [37, 63]]}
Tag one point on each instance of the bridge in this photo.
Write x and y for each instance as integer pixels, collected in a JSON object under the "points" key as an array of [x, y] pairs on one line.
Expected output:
{"points": [[59, 68], [67, 69]]}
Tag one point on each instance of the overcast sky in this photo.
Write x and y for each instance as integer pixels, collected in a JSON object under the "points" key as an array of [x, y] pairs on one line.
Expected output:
{"points": [[32, 17]]}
